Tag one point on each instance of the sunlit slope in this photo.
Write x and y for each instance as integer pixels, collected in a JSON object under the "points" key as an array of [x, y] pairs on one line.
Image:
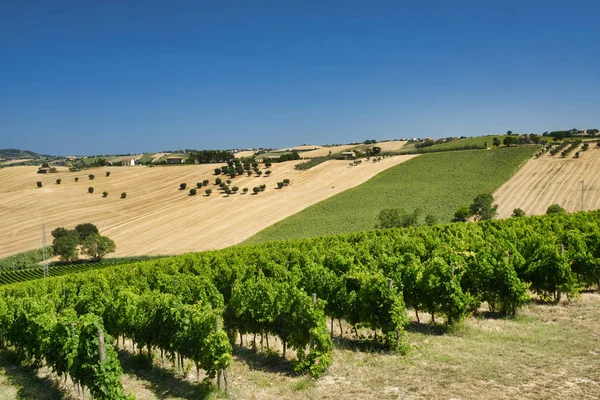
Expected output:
{"points": [[156, 217], [553, 180], [437, 184]]}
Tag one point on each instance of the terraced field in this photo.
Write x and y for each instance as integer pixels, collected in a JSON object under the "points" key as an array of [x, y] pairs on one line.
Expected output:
{"points": [[157, 218], [552, 180]]}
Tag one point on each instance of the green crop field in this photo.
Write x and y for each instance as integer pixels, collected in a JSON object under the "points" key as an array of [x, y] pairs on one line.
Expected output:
{"points": [[474, 141], [437, 183]]}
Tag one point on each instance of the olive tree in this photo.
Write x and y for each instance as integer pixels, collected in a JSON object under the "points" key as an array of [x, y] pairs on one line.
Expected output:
{"points": [[97, 246]]}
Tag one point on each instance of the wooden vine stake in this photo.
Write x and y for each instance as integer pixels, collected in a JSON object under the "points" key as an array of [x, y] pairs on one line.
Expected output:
{"points": [[221, 373], [314, 304], [102, 346], [390, 287]]}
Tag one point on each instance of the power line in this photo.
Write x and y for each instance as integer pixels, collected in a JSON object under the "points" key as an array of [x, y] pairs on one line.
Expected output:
{"points": [[44, 252]]}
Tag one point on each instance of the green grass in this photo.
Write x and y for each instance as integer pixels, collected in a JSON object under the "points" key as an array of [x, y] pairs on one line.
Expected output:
{"points": [[146, 157], [437, 183], [474, 141], [24, 260]]}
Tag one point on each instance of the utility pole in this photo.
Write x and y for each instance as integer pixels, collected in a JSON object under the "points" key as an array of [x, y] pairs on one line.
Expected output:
{"points": [[582, 203], [44, 253]]}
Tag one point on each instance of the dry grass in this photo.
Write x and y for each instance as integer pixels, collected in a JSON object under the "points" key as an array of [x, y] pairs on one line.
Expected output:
{"points": [[157, 217], [245, 153], [392, 145], [552, 180], [323, 151], [546, 352]]}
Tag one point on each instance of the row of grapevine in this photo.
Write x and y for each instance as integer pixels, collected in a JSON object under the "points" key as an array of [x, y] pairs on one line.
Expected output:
{"points": [[58, 269], [178, 313], [71, 345], [367, 279]]}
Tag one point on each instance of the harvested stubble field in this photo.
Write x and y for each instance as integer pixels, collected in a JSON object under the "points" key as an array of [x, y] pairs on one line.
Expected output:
{"points": [[546, 352], [323, 151], [156, 217], [552, 180], [392, 145]]}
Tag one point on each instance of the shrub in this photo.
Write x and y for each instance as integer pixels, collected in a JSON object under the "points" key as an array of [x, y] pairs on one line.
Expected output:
{"points": [[208, 192], [105, 194], [555, 209], [90, 190], [245, 190], [107, 174], [431, 219], [123, 195], [91, 176], [517, 212], [256, 189], [76, 179], [182, 186], [192, 192], [39, 184], [462, 214], [58, 181]]}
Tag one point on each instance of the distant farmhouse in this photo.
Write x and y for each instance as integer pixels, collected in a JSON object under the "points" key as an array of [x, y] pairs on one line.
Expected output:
{"points": [[175, 160], [349, 155], [129, 162]]}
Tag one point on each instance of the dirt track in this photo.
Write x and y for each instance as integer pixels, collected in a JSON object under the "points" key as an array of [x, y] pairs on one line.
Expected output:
{"points": [[549, 180], [156, 217]]}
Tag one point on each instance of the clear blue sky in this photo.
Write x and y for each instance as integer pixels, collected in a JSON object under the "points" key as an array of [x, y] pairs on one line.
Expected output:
{"points": [[119, 76]]}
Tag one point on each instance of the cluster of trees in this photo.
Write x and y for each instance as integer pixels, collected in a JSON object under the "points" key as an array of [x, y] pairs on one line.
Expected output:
{"points": [[292, 156], [85, 237], [482, 209], [399, 218], [559, 135], [209, 156]]}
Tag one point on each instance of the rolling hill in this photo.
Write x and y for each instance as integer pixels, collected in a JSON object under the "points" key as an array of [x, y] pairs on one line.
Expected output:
{"points": [[156, 217]]}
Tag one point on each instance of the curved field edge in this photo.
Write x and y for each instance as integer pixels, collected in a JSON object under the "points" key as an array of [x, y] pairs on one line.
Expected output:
{"points": [[437, 184]]}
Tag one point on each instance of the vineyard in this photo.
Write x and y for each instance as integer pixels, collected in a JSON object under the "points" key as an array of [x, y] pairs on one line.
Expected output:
{"points": [[58, 269], [288, 290]]}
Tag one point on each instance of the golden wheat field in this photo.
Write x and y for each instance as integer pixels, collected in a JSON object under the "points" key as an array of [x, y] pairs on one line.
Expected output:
{"points": [[156, 217], [392, 145], [552, 180]]}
